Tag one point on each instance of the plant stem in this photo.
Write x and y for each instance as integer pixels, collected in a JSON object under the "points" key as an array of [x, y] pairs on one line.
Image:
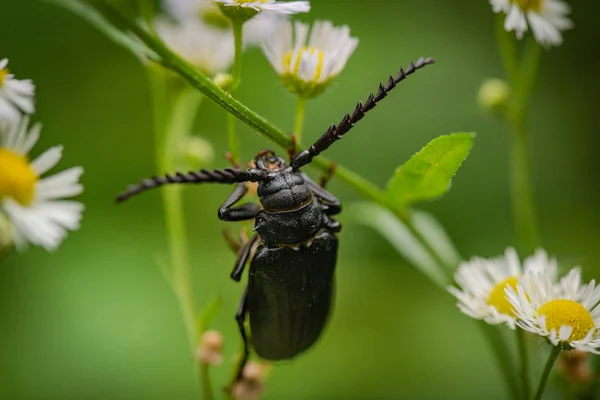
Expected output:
{"points": [[523, 362], [504, 361], [207, 389], [300, 111], [521, 188], [544, 378], [234, 140], [168, 123], [522, 76], [508, 50]]}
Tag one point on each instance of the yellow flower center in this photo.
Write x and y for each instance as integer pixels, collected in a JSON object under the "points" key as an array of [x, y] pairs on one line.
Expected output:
{"points": [[3, 73], [497, 297], [570, 313], [17, 177], [305, 51], [529, 5]]}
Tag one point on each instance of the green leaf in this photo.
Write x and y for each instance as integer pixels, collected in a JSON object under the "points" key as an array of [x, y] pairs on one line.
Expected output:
{"points": [[400, 237], [428, 173], [96, 19], [208, 314]]}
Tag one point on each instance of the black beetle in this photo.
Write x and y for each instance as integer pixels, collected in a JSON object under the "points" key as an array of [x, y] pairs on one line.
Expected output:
{"points": [[294, 250]]}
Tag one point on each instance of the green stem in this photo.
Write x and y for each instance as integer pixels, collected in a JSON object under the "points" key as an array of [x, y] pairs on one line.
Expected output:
{"points": [[238, 38], [168, 124], [207, 389], [234, 140], [502, 355], [523, 362], [544, 378], [300, 111], [521, 75], [521, 189], [509, 50]]}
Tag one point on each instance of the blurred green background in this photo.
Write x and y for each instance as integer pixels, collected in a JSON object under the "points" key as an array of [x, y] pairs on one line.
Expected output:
{"points": [[96, 320]]}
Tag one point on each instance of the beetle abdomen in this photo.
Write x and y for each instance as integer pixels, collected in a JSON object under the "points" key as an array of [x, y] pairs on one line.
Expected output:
{"points": [[290, 293]]}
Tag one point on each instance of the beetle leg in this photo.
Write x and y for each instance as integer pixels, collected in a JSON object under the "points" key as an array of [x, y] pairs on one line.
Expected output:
{"points": [[331, 203], [246, 211], [325, 178], [240, 317], [243, 256]]}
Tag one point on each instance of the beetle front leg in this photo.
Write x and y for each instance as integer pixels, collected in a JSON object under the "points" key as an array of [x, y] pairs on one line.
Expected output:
{"points": [[241, 213], [244, 255], [240, 317]]}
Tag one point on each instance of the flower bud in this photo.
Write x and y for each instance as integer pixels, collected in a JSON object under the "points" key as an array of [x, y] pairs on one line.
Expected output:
{"points": [[211, 348], [493, 94], [197, 152], [252, 384], [238, 14], [223, 80], [575, 367]]}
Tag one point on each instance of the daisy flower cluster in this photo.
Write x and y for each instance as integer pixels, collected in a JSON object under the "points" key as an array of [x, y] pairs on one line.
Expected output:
{"points": [[201, 30], [306, 60], [530, 296], [32, 206]]}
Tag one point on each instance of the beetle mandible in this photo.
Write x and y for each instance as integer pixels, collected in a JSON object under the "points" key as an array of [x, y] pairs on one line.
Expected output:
{"points": [[294, 249]]}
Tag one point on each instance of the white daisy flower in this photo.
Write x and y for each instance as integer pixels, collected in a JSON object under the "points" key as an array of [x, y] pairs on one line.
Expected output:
{"points": [[16, 96], [546, 18], [281, 7], [209, 14], [566, 314], [210, 50], [308, 69], [482, 283], [33, 205]]}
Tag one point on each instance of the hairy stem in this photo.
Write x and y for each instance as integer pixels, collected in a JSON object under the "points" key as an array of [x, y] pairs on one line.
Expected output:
{"points": [[546, 373]]}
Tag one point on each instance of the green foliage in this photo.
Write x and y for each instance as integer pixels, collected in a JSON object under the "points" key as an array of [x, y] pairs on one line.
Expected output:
{"points": [[88, 13], [400, 236], [428, 173]]}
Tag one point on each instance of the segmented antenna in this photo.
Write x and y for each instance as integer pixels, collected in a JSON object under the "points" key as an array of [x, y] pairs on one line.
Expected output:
{"points": [[335, 132], [227, 175]]}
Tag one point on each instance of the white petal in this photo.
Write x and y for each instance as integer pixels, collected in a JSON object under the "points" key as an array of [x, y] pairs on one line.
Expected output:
{"points": [[61, 185], [515, 21], [565, 333], [47, 160]]}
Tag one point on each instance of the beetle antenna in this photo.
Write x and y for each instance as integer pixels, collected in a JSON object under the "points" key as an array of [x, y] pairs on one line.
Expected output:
{"points": [[335, 132], [227, 176]]}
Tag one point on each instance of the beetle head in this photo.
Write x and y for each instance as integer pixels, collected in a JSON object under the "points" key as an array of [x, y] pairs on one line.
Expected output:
{"points": [[267, 160]]}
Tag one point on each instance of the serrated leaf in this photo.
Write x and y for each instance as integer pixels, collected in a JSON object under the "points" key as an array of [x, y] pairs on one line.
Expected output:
{"points": [[399, 236], [428, 173], [96, 19]]}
